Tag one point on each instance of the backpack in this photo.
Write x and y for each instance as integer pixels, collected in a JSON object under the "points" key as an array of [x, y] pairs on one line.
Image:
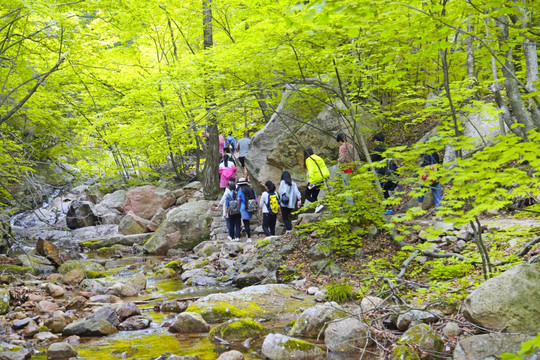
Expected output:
{"points": [[284, 199], [234, 205], [273, 203], [252, 205]]}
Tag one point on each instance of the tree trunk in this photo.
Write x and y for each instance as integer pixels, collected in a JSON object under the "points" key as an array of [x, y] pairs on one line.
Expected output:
{"points": [[519, 110], [211, 165], [471, 71]]}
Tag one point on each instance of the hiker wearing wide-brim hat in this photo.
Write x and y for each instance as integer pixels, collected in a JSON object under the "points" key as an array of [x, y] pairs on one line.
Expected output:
{"points": [[242, 181]]}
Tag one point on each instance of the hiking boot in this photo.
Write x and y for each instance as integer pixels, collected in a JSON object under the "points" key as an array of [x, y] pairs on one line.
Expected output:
{"points": [[249, 240]]}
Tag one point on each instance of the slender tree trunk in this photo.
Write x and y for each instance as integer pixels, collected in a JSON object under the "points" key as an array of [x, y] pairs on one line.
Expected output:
{"points": [[519, 110], [211, 165], [471, 70]]}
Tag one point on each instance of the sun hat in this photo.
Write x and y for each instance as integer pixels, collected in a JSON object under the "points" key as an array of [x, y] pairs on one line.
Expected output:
{"points": [[242, 181]]}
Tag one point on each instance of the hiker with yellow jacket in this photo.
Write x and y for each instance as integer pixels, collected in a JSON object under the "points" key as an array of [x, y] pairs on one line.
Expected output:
{"points": [[317, 173]]}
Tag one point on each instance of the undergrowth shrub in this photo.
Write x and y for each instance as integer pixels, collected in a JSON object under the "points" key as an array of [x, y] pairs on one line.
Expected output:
{"points": [[339, 293]]}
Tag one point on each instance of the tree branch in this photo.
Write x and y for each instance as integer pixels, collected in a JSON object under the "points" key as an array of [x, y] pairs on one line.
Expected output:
{"points": [[42, 78]]}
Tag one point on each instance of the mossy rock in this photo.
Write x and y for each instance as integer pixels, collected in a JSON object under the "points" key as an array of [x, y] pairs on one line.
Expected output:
{"points": [[9, 269], [197, 264], [111, 250], [220, 310], [84, 265], [403, 352], [238, 330], [4, 301], [176, 265], [166, 273], [424, 338], [95, 274]]}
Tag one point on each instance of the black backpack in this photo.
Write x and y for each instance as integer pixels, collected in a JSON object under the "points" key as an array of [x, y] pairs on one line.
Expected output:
{"points": [[234, 204]]}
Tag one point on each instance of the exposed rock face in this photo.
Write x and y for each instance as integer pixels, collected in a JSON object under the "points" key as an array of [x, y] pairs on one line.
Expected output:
{"points": [[145, 201], [509, 301], [277, 147], [490, 346], [185, 227], [281, 347], [81, 214]]}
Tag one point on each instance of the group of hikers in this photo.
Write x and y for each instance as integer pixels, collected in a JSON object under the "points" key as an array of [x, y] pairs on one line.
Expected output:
{"points": [[240, 202]]}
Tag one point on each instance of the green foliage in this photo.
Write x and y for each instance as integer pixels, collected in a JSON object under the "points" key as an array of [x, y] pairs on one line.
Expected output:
{"points": [[352, 210], [527, 348], [339, 293], [440, 271]]}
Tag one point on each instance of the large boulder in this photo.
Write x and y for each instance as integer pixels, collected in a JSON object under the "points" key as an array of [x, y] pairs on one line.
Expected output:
{"points": [[90, 327], [52, 252], [490, 346], [145, 201], [510, 301], [185, 227], [279, 144], [276, 301], [81, 214]]}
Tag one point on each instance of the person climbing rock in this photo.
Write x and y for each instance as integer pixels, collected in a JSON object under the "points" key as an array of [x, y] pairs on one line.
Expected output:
{"points": [[317, 174]]}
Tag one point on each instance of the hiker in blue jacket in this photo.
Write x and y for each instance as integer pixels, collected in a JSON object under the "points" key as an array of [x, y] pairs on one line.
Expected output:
{"points": [[245, 192]]}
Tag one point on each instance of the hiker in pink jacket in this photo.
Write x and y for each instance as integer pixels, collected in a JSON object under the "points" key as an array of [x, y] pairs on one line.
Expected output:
{"points": [[227, 169]]}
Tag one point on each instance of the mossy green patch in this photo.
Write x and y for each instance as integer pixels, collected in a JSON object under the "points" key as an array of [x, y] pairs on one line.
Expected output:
{"points": [[403, 352], [221, 310], [297, 344], [238, 330], [166, 273], [197, 264], [95, 274], [146, 346], [14, 269], [175, 264]]}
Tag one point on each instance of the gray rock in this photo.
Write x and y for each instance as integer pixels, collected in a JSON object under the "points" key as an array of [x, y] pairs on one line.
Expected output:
{"points": [[114, 200], [31, 329], [45, 337], [137, 322], [39, 264], [370, 302], [451, 329], [55, 290], [424, 339], [346, 335], [4, 301], [56, 323], [312, 322], [255, 276], [490, 346], [22, 354], [127, 310], [111, 240], [316, 253], [194, 185], [90, 327], [81, 214], [189, 322], [231, 355], [60, 351], [109, 299], [326, 267], [132, 224], [413, 317], [122, 290], [509, 301], [173, 306], [192, 218], [282, 347], [108, 313], [157, 220]]}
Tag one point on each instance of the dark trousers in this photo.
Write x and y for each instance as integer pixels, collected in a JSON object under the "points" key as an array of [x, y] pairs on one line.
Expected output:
{"points": [[313, 193], [285, 215], [269, 224], [246, 226], [235, 225]]}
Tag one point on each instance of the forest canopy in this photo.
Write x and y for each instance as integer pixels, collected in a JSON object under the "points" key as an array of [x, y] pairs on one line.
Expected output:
{"points": [[125, 89]]}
